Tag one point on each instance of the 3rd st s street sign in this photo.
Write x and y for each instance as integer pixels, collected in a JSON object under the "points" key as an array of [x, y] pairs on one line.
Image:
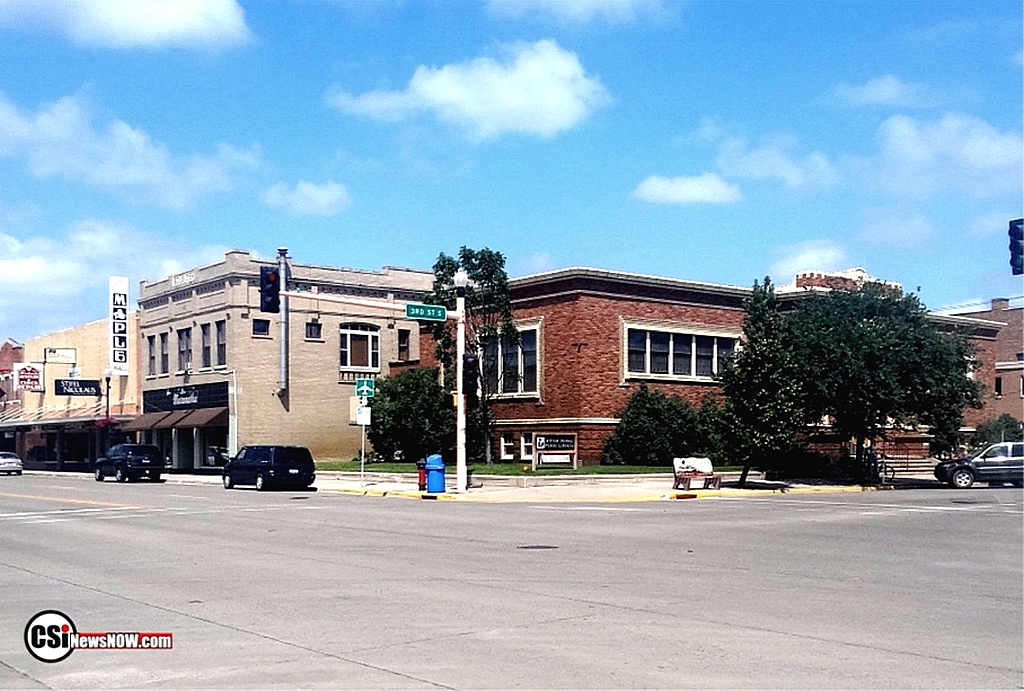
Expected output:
{"points": [[430, 313]]}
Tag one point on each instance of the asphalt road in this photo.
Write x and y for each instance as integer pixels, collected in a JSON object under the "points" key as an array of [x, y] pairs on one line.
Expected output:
{"points": [[901, 589]]}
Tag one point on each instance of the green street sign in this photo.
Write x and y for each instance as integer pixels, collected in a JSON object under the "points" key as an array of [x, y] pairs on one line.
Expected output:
{"points": [[430, 313], [366, 387]]}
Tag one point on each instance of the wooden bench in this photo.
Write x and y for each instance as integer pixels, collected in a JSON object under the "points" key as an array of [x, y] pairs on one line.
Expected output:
{"points": [[694, 473]]}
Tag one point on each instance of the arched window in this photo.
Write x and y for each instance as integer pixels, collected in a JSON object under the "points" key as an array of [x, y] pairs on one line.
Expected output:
{"points": [[359, 347]]}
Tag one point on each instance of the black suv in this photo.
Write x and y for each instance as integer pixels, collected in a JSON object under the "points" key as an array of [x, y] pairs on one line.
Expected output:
{"points": [[129, 462], [997, 463], [270, 466]]}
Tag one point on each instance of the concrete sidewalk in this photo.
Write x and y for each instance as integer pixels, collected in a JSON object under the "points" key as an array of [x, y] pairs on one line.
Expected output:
{"points": [[548, 488]]}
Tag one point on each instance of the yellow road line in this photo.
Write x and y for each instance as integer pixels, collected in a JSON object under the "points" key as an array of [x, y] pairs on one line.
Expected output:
{"points": [[65, 500]]}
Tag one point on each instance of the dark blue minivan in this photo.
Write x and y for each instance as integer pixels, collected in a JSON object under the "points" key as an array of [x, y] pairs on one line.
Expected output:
{"points": [[269, 466]]}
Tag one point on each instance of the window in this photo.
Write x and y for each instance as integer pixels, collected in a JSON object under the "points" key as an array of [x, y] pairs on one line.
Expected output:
{"points": [[314, 331], [404, 353], [999, 387], [359, 346], [184, 349], [260, 327], [509, 368], [205, 336], [151, 359], [164, 358], [221, 328], [669, 354], [508, 446], [526, 446]]}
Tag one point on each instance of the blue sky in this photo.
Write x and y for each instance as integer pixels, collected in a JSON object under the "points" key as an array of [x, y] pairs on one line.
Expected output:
{"points": [[710, 140]]}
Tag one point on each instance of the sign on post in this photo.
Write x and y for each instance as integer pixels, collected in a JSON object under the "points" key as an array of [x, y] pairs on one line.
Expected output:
{"points": [[119, 325], [365, 388], [430, 313]]}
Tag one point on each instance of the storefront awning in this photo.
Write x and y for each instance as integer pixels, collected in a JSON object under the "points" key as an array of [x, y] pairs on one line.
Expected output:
{"points": [[144, 422], [171, 419], [205, 417]]}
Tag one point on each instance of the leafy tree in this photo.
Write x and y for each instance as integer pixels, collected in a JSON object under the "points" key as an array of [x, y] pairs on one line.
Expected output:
{"points": [[653, 429], [871, 357], [764, 400], [489, 317], [1004, 428], [412, 416]]}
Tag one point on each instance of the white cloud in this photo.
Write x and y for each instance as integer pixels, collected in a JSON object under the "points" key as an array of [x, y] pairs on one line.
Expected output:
{"points": [[537, 89], [579, 11], [54, 283], [891, 228], [134, 23], [817, 255], [773, 161], [708, 188], [536, 263], [957, 153], [61, 140], [888, 90], [308, 199]]}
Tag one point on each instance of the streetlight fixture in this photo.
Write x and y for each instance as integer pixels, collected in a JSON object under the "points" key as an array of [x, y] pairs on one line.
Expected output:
{"points": [[461, 280]]}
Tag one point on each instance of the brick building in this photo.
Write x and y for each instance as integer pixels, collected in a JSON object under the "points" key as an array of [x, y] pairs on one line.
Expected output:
{"points": [[211, 362], [591, 337], [1004, 377]]}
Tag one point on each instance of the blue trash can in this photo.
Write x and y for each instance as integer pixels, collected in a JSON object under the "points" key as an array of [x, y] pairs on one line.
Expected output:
{"points": [[435, 473]]}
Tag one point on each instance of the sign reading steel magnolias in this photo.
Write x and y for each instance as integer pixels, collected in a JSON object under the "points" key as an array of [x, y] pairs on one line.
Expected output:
{"points": [[119, 325]]}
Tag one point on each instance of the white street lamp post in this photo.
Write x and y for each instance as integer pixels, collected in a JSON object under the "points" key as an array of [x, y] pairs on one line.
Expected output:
{"points": [[461, 476]]}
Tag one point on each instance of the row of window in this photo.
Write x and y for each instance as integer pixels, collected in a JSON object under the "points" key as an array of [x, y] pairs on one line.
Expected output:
{"points": [[213, 348], [507, 367]]}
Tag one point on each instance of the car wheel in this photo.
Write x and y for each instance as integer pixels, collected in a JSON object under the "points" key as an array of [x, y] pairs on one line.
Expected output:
{"points": [[1015, 483], [120, 475], [228, 482], [962, 478], [98, 474], [261, 482], [155, 477]]}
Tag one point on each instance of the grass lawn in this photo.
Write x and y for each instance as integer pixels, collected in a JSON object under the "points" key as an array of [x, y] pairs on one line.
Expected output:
{"points": [[503, 468]]}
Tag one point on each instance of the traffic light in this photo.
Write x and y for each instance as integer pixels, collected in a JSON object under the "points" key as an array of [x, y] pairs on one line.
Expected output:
{"points": [[470, 378], [270, 289], [1017, 246]]}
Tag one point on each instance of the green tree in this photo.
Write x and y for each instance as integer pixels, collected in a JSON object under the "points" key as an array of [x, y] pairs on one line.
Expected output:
{"points": [[764, 398], [653, 429], [871, 357], [489, 317], [412, 417], [1004, 428]]}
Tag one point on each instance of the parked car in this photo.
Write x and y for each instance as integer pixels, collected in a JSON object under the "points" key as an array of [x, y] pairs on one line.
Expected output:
{"points": [[269, 466], [129, 462], [10, 462], [994, 464]]}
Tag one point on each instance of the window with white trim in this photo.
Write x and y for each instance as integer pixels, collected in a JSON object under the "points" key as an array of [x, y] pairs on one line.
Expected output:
{"points": [[359, 347], [510, 368], [526, 446], [670, 354], [508, 446]]}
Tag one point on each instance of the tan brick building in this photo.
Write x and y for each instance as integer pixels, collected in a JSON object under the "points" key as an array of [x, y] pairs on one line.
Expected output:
{"points": [[66, 424], [211, 361]]}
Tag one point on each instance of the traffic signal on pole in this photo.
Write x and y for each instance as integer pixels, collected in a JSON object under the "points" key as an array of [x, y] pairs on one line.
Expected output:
{"points": [[270, 289], [1017, 246], [470, 378]]}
